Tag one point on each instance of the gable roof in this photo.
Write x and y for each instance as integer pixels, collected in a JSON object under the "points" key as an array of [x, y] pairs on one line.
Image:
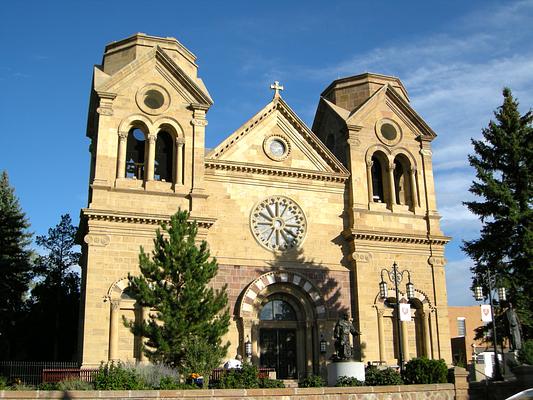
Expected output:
{"points": [[196, 92], [279, 105]]}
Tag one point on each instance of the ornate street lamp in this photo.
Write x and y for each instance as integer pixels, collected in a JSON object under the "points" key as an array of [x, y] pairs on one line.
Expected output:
{"points": [[323, 345], [248, 348], [396, 277], [489, 281]]}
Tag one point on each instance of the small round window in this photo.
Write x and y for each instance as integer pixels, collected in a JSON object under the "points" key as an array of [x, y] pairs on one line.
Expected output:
{"points": [[154, 99], [388, 132], [276, 147]]}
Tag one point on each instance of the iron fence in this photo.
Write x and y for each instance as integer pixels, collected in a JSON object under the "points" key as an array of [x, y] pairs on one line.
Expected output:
{"points": [[31, 372]]}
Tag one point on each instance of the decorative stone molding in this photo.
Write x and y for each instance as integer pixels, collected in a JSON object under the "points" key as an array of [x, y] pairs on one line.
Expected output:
{"points": [[426, 152], [180, 141], [153, 99], [388, 131], [361, 257], [123, 135], [98, 240], [273, 152], [107, 111], [398, 238], [271, 171], [198, 122], [437, 261]]}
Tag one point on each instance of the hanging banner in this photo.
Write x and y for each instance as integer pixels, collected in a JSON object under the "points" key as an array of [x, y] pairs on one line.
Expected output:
{"points": [[405, 312], [486, 315]]}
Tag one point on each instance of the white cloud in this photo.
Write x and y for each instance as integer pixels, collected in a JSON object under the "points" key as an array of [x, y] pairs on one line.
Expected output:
{"points": [[458, 282]]}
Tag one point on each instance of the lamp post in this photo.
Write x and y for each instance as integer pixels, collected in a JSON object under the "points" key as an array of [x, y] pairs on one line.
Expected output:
{"points": [[248, 348], [396, 277], [478, 295], [323, 345]]}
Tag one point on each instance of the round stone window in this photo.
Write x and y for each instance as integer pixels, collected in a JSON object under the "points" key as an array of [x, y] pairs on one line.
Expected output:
{"points": [[276, 147], [153, 99], [278, 223], [388, 132]]}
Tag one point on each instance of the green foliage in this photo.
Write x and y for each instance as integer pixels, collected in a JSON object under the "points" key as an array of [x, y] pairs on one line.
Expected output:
{"points": [[525, 354], [113, 376], [242, 378], [154, 374], [48, 386], [423, 371], [267, 383], [349, 381], [74, 384], [54, 305], [201, 358], [503, 162], [312, 381], [3, 383], [15, 268], [382, 377], [174, 282]]}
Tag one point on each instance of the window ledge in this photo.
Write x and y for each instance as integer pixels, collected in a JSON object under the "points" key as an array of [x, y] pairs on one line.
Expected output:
{"points": [[128, 183]]}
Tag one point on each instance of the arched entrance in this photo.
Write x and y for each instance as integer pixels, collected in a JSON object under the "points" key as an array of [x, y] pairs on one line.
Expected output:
{"points": [[281, 314]]}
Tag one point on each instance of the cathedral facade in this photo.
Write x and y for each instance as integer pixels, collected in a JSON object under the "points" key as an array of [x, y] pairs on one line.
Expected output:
{"points": [[305, 224]]}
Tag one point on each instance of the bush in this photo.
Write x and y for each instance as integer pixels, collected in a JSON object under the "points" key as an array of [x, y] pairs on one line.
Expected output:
{"points": [[48, 386], [348, 381], [243, 378], [382, 377], [312, 381], [112, 376], [267, 383], [153, 374], [525, 354], [423, 371], [3, 383], [74, 384]]}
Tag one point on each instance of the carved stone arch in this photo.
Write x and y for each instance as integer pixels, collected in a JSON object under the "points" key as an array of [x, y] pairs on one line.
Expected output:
{"points": [[136, 121], [402, 151], [116, 289], [378, 148], [246, 307], [170, 125]]}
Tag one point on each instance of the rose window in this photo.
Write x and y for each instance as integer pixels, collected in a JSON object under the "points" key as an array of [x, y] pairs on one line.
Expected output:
{"points": [[278, 223]]}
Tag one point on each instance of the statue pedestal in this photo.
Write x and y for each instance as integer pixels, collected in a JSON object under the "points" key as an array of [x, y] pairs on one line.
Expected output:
{"points": [[352, 369]]}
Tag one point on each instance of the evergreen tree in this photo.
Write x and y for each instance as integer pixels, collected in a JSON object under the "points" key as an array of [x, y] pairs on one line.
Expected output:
{"points": [[174, 284], [54, 304], [15, 266], [503, 161]]}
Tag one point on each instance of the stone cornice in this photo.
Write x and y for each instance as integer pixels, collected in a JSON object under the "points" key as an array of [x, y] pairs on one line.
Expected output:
{"points": [[395, 237], [280, 171], [138, 218]]}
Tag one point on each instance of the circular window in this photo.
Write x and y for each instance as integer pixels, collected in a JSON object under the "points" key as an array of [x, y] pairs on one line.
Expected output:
{"points": [[278, 223], [388, 132], [153, 99], [276, 147]]}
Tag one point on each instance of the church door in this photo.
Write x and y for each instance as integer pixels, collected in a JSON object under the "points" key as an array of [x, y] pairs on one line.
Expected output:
{"points": [[278, 350]]}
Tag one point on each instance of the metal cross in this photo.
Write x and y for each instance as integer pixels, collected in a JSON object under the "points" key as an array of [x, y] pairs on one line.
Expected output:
{"points": [[276, 87]]}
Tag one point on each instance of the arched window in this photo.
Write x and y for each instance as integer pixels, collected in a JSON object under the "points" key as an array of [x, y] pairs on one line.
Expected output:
{"points": [[401, 181], [135, 154], [277, 310], [163, 157], [378, 192]]}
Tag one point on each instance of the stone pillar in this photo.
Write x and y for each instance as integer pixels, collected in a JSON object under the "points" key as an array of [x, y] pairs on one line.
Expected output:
{"points": [[145, 311], [427, 335], [461, 383], [113, 329], [179, 161], [405, 341], [392, 192], [150, 163], [309, 347], [369, 181], [412, 184], [121, 156], [381, 336], [197, 150]]}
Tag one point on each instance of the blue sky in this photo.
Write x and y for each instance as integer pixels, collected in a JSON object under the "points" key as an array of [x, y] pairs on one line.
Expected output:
{"points": [[454, 58]]}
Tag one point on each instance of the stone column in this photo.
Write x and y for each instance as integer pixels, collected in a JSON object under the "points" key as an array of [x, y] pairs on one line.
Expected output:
{"points": [[405, 341], [427, 335], [381, 336], [309, 347], [145, 311], [150, 163], [197, 151], [121, 156], [179, 161], [369, 181], [113, 329], [392, 192], [412, 184]]}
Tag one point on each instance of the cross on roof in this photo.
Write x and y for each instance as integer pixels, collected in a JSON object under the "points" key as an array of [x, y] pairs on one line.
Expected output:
{"points": [[276, 87]]}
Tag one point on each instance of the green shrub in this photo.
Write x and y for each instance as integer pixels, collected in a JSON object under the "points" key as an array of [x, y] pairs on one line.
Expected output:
{"points": [[525, 354], [21, 386], [48, 386], [348, 381], [3, 383], [382, 377], [152, 374], [312, 381], [74, 384], [242, 378], [423, 371], [268, 383], [113, 376]]}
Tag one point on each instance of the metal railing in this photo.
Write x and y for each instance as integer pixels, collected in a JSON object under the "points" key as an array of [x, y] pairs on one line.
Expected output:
{"points": [[31, 372]]}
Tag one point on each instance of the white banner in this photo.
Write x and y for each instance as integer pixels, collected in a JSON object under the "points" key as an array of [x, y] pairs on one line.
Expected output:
{"points": [[405, 312], [486, 315]]}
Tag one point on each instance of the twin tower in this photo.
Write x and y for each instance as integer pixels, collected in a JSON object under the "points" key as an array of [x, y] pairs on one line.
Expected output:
{"points": [[303, 221]]}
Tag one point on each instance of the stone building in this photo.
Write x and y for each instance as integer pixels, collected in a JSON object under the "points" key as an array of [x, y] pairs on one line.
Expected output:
{"points": [[302, 221]]}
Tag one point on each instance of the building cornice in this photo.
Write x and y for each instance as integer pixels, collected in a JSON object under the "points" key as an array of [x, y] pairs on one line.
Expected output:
{"points": [[391, 237]]}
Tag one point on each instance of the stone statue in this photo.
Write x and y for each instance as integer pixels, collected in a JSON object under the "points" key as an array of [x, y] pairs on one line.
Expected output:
{"points": [[342, 332], [514, 328]]}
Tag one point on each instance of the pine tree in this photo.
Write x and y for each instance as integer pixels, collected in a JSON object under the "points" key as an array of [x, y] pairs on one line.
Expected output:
{"points": [[174, 284], [15, 265], [54, 304], [503, 161]]}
